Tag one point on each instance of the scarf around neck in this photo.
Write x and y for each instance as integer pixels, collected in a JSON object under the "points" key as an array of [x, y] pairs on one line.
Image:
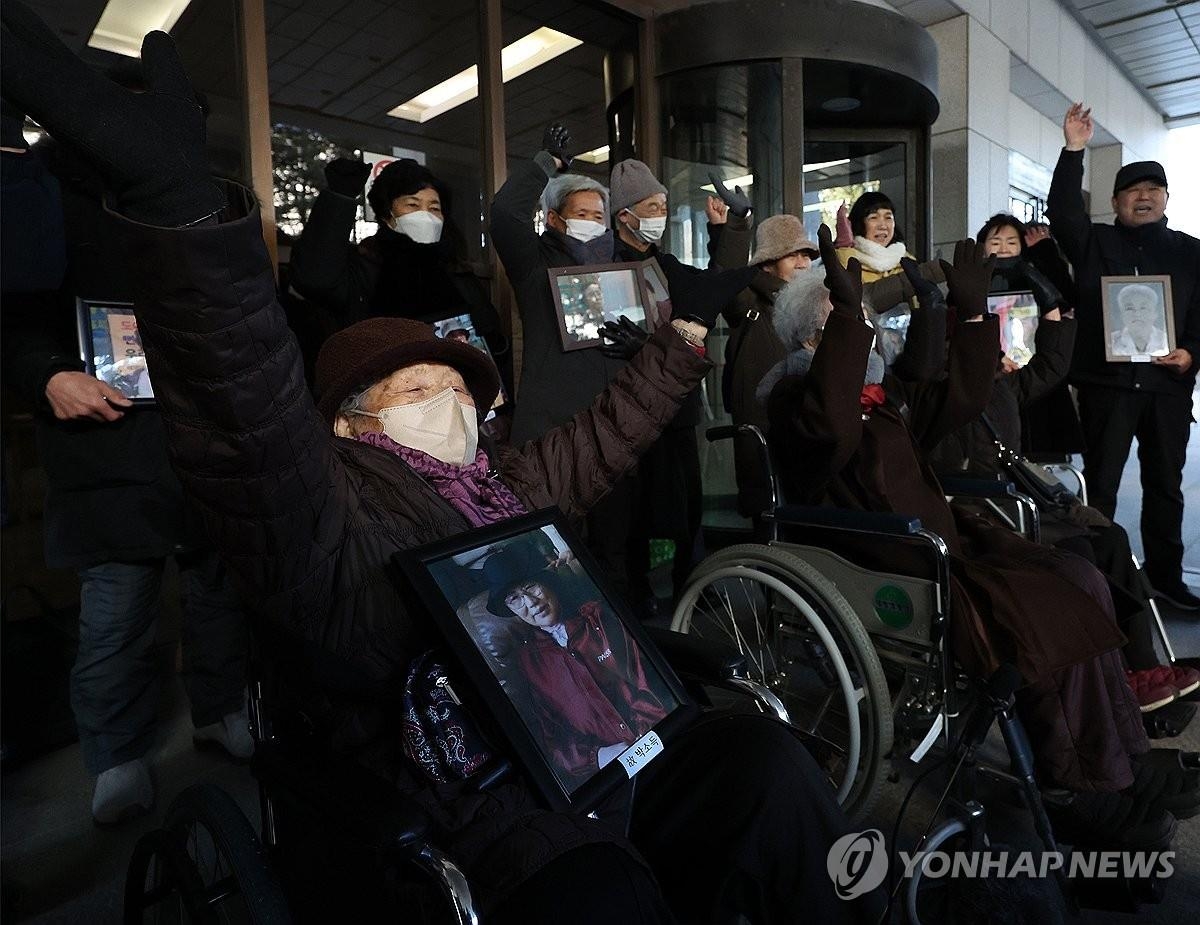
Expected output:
{"points": [[481, 498], [876, 257]]}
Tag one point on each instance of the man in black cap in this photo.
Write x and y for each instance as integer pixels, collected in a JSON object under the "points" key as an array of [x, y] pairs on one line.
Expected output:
{"points": [[1120, 401]]}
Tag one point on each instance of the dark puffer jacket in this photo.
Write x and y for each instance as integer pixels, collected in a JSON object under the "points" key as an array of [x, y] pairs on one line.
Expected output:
{"points": [[309, 521], [1119, 250]]}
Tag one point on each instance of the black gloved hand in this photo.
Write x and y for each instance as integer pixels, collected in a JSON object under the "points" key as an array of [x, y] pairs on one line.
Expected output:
{"points": [[844, 283], [627, 339], [149, 147], [926, 290], [555, 140], [738, 201], [969, 278], [346, 177], [1045, 293]]}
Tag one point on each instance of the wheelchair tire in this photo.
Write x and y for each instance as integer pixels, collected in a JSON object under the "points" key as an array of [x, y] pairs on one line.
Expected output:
{"points": [[796, 629], [913, 899], [227, 876]]}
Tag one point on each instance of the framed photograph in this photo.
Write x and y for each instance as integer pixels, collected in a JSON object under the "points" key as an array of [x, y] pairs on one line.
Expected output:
{"points": [[586, 297], [111, 348], [1018, 313], [461, 328], [554, 662], [658, 302], [1139, 318]]}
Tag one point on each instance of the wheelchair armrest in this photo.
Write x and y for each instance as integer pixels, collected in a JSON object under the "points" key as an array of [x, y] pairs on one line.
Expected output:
{"points": [[972, 486], [348, 798], [839, 519], [700, 658]]}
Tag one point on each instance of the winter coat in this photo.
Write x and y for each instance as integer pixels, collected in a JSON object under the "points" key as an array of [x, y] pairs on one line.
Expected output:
{"points": [[831, 455], [555, 384], [970, 448], [387, 274], [309, 522], [110, 494], [1097, 250], [587, 693], [884, 283]]}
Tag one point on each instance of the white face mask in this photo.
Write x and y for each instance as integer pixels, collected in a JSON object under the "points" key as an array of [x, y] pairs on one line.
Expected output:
{"points": [[441, 426], [649, 230], [422, 226], [583, 230]]}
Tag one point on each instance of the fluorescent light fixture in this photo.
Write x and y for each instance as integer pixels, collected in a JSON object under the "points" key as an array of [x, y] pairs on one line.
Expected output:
{"points": [[521, 57], [124, 23], [743, 182], [826, 164], [595, 156]]}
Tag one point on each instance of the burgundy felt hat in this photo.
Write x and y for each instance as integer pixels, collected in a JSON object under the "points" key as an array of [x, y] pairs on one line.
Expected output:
{"points": [[362, 354]]}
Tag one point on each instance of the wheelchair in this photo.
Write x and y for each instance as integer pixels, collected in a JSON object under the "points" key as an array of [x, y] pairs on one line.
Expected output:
{"points": [[320, 813]]}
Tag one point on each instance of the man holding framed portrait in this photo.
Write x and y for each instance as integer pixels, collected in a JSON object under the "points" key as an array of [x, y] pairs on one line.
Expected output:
{"points": [[1139, 341]]}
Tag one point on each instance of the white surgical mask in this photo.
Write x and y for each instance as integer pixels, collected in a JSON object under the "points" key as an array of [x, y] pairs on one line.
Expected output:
{"points": [[583, 230], [422, 226], [441, 426], [650, 230]]}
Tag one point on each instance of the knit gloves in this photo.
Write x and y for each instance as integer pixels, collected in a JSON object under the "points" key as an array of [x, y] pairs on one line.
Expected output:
{"points": [[844, 283], [969, 278], [149, 147]]}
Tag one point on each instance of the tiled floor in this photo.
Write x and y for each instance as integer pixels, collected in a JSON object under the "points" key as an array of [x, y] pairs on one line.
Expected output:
{"points": [[58, 867]]}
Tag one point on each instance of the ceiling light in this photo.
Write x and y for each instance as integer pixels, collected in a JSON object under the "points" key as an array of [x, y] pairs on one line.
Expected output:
{"points": [[841, 104], [124, 23], [743, 182], [521, 57], [595, 156], [825, 165]]}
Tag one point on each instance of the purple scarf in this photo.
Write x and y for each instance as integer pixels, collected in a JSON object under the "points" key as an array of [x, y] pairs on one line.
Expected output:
{"points": [[468, 489]]}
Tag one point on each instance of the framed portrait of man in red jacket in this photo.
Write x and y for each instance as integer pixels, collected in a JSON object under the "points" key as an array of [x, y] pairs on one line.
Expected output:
{"points": [[552, 661]]}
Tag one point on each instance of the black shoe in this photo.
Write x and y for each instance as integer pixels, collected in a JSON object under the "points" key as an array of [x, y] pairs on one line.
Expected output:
{"points": [[1178, 596], [1109, 821], [1162, 777]]}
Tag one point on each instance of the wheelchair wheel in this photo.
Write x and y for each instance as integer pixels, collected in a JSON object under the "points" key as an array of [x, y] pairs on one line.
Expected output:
{"points": [[205, 865], [804, 642]]}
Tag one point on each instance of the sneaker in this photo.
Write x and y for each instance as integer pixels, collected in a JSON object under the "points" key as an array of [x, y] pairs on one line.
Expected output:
{"points": [[232, 734], [1183, 679], [122, 793], [1179, 596], [1151, 688]]}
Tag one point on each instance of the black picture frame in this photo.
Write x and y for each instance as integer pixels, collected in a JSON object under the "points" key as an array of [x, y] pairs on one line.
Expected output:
{"points": [[103, 324], [522, 680], [569, 287], [1018, 312]]}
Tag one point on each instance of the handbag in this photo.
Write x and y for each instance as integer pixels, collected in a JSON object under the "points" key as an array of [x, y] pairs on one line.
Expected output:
{"points": [[1031, 479], [440, 736]]}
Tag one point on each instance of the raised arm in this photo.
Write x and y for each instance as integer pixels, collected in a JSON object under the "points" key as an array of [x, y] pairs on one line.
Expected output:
{"points": [[924, 354], [1069, 220], [325, 266], [243, 433], [513, 208]]}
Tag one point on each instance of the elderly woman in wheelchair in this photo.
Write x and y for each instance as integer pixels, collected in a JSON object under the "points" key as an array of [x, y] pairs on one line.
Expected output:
{"points": [[849, 436], [309, 502]]}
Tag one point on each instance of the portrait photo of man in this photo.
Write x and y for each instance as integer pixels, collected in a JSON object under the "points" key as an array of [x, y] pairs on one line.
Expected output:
{"points": [[1137, 319]]}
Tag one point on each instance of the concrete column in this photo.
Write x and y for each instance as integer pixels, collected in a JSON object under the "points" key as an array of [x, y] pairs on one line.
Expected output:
{"points": [[1103, 164]]}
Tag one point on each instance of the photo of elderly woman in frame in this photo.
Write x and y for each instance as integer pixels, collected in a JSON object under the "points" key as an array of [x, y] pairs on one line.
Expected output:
{"points": [[578, 680], [1139, 319]]}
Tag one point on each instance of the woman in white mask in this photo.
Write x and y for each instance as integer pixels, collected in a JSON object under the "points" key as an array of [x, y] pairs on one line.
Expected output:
{"points": [[414, 266]]}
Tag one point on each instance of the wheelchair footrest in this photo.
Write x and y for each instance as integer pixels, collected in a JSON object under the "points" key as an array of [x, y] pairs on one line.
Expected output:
{"points": [[1169, 721]]}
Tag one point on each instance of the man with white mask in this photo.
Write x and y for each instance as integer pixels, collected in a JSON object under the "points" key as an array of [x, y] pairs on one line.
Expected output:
{"points": [[414, 266]]}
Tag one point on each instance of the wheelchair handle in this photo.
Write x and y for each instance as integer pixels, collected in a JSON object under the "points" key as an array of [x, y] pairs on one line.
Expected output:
{"points": [[729, 431]]}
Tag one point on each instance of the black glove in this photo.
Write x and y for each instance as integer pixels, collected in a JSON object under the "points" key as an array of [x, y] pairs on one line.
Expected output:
{"points": [[627, 339], [346, 177], [149, 147], [844, 283], [738, 201], [926, 290], [969, 278], [555, 140], [1045, 293]]}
